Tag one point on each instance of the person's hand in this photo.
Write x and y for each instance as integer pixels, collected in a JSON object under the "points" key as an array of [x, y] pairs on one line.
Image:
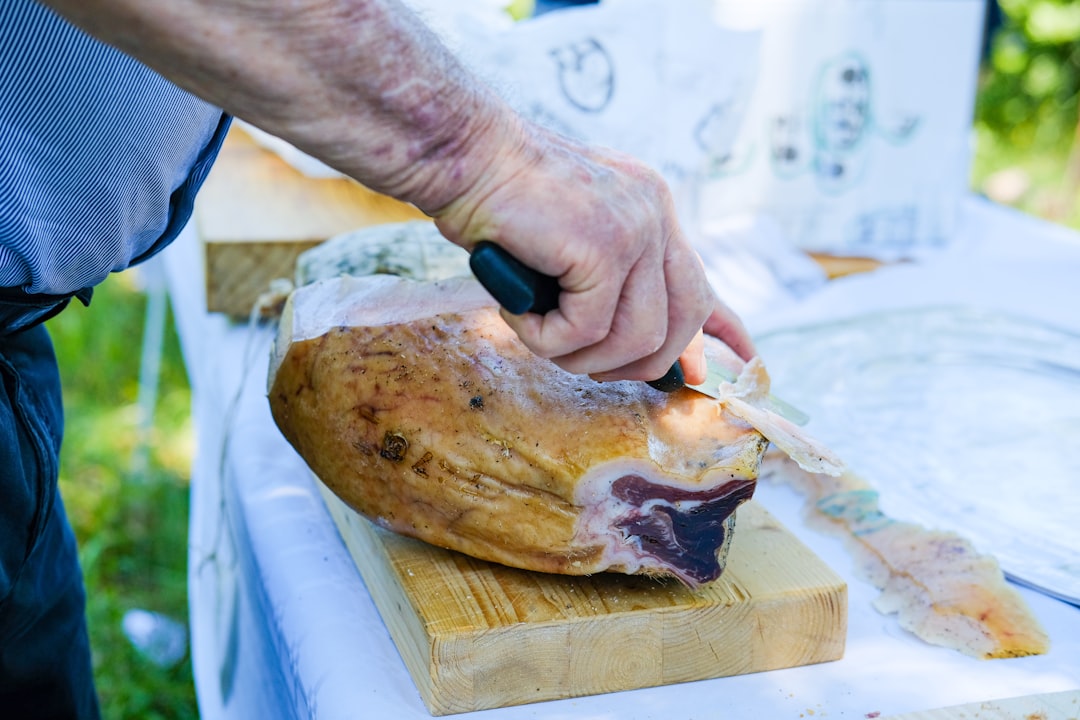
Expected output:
{"points": [[634, 295], [724, 324]]}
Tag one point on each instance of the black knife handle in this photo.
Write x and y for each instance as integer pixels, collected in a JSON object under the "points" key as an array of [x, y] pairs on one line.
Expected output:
{"points": [[520, 289], [673, 379], [517, 288]]}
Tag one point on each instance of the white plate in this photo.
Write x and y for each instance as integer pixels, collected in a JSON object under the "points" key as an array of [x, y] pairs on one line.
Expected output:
{"points": [[964, 420]]}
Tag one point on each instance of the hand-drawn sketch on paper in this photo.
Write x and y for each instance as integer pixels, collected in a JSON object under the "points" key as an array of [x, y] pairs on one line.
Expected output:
{"points": [[586, 74], [831, 141], [789, 146], [893, 227], [714, 131]]}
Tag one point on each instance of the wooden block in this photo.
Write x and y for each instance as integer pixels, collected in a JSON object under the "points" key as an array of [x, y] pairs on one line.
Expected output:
{"points": [[1048, 706], [837, 266], [477, 635], [255, 214]]}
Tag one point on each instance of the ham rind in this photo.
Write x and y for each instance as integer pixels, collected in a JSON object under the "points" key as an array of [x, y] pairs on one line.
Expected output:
{"points": [[941, 588], [745, 399], [418, 407]]}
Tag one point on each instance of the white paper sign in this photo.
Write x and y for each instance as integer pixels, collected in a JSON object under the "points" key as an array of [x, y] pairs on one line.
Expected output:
{"points": [[857, 137]]}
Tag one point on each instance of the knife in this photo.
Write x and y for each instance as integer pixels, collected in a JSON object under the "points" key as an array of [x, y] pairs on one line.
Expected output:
{"points": [[520, 289]]}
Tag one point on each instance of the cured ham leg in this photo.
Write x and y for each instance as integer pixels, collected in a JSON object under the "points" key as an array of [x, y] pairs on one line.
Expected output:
{"points": [[418, 407]]}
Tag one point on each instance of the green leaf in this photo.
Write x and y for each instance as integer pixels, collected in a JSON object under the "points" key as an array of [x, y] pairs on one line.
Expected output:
{"points": [[1054, 23], [1044, 76], [1010, 53]]}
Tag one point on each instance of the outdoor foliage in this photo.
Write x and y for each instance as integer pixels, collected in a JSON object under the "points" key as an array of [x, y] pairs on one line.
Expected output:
{"points": [[1027, 133], [1031, 90]]}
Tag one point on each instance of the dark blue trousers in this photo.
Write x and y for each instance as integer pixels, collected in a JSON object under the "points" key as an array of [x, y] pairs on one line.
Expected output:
{"points": [[45, 669]]}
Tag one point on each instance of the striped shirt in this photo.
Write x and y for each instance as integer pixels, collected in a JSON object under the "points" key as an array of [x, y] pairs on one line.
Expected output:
{"points": [[100, 157]]}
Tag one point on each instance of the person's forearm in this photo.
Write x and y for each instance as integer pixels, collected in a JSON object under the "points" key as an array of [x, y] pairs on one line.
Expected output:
{"points": [[361, 84]]}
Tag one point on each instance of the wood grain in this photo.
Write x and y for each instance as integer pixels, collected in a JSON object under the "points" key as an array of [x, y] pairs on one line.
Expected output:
{"points": [[255, 214], [1050, 706], [477, 635]]}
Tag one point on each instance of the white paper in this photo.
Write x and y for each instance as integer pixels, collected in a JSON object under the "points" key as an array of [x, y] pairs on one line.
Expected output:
{"points": [[857, 137]]}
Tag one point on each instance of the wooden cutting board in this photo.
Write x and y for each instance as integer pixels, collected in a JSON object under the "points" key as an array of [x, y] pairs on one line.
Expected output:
{"points": [[477, 635]]}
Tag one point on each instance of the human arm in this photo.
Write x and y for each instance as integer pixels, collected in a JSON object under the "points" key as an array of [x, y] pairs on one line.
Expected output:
{"points": [[364, 86]]}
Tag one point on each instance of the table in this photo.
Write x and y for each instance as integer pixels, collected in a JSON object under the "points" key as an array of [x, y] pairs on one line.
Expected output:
{"points": [[282, 625]]}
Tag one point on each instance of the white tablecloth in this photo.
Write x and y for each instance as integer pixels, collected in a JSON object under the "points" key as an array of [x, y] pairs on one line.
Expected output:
{"points": [[282, 625]]}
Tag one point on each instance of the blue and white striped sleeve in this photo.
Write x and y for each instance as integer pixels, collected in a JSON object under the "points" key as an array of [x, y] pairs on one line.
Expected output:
{"points": [[100, 157]]}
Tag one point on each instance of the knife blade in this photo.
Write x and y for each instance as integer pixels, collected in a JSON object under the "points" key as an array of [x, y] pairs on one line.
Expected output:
{"points": [[715, 375], [520, 289]]}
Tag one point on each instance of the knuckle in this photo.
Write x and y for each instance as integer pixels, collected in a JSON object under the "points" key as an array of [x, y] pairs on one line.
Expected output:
{"points": [[653, 368], [593, 333]]}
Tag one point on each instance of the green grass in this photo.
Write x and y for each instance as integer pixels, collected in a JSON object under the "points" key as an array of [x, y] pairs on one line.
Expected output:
{"points": [[132, 530]]}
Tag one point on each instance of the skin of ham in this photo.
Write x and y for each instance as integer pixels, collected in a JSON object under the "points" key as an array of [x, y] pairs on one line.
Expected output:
{"points": [[940, 587]]}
